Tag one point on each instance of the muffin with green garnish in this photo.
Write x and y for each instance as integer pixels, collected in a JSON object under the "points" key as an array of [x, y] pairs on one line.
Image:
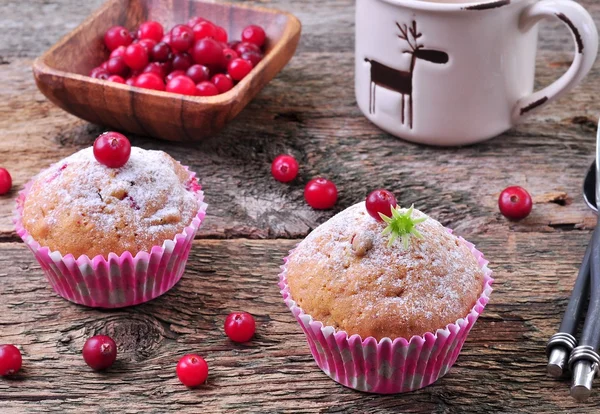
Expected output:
{"points": [[386, 303]]}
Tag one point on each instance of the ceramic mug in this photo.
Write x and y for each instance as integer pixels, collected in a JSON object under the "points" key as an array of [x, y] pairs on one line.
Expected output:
{"points": [[446, 72]]}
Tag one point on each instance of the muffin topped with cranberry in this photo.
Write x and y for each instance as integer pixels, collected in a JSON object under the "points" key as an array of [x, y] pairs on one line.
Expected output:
{"points": [[404, 276]]}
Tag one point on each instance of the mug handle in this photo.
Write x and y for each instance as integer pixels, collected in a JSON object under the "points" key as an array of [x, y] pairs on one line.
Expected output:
{"points": [[585, 35]]}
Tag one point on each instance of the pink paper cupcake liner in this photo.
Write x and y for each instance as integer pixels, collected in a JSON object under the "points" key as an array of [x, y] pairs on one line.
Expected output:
{"points": [[118, 280], [387, 367]]}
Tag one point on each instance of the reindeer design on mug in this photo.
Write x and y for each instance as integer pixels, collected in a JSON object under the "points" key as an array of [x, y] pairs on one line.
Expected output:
{"points": [[398, 80]]}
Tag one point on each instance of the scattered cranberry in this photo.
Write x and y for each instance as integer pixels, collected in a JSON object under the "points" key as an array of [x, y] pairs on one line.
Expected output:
{"points": [[150, 30], [150, 80], [116, 78], [222, 82], [206, 89], [207, 52], [100, 352], [239, 68], [10, 357], [203, 30], [380, 201], [117, 36], [515, 203], [99, 73], [182, 85], [320, 193], [220, 34], [182, 38], [112, 149], [192, 370], [136, 56], [198, 73], [182, 61], [240, 326], [254, 34], [161, 52], [252, 57], [5, 181], [284, 168]]}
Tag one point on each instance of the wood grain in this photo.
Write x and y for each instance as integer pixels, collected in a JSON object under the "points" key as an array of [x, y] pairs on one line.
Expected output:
{"points": [[308, 110]]}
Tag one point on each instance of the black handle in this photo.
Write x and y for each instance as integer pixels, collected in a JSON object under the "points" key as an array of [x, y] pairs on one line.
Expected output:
{"points": [[591, 328], [579, 295]]}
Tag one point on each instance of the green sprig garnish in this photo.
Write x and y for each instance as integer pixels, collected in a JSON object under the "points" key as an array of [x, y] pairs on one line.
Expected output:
{"points": [[402, 226]]}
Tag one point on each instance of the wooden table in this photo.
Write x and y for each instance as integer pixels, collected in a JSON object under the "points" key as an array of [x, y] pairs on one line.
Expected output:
{"points": [[308, 110]]}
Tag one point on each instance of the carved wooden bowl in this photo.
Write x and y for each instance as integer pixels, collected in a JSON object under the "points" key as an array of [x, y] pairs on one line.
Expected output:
{"points": [[61, 72]]}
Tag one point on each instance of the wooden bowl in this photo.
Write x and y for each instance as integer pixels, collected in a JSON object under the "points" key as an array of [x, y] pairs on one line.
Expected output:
{"points": [[61, 73]]}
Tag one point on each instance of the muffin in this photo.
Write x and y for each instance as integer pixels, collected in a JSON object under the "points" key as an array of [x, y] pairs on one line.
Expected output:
{"points": [[381, 315], [111, 237]]}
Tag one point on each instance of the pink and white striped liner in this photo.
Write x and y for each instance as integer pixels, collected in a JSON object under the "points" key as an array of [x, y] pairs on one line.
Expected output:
{"points": [[388, 367], [119, 280]]}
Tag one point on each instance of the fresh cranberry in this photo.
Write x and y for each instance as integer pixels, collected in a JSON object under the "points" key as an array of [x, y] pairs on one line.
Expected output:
{"points": [[284, 168], [112, 149], [222, 82], [240, 326], [380, 201], [166, 39], [133, 35], [244, 47], [100, 352], [150, 80], [320, 193], [117, 36], [254, 34], [203, 30], [195, 20], [220, 34], [233, 44], [206, 89], [207, 52], [117, 66], [182, 61], [515, 203], [99, 73], [150, 30], [136, 56], [131, 80], [173, 75], [161, 69], [198, 73], [228, 56], [116, 79], [192, 370], [182, 85], [104, 65], [252, 57], [5, 181], [239, 68], [10, 357], [148, 44], [120, 51], [182, 38], [161, 52]]}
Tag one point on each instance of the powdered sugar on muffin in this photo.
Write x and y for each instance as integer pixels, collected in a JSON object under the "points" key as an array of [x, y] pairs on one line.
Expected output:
{"points": [[345, 275], [80, 206]]}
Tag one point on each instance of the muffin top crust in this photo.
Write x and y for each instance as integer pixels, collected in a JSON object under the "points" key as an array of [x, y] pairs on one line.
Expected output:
{"points": [[80, 206], [345, 275]]}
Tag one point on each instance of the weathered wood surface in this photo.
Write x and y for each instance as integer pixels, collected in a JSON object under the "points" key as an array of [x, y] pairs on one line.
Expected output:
{"points": [[310, 111]]}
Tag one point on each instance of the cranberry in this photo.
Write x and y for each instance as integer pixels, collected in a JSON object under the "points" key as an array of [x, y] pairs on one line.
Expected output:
{"points": [[100, 352], [166, 39], [120, 51], [182, 61], [150, 30], [240, 326], [207, 52], [228, 56], [116, 78], [195, 20], [112, 149], [161, 52], [99, 73], [380, 201], [150, 80], [148, 45], [206, 89], [117, 66], [254, 34], [203, 30], [10, 358], [222, 82], [198, 73], [284, 168], [233, 44], [131, 80], [161, 69], [244, 47], [220, 34], [104, 65], [182, 38], [192, 370], [5, 181], [252, 57], [239, 68], [182, 85], [117, 36], [136, 56], [515, 203], [320, 193], [173, 75]]}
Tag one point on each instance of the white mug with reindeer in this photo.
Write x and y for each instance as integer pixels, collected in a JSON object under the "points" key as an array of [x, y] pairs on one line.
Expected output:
{"points": [[449, 72]]}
